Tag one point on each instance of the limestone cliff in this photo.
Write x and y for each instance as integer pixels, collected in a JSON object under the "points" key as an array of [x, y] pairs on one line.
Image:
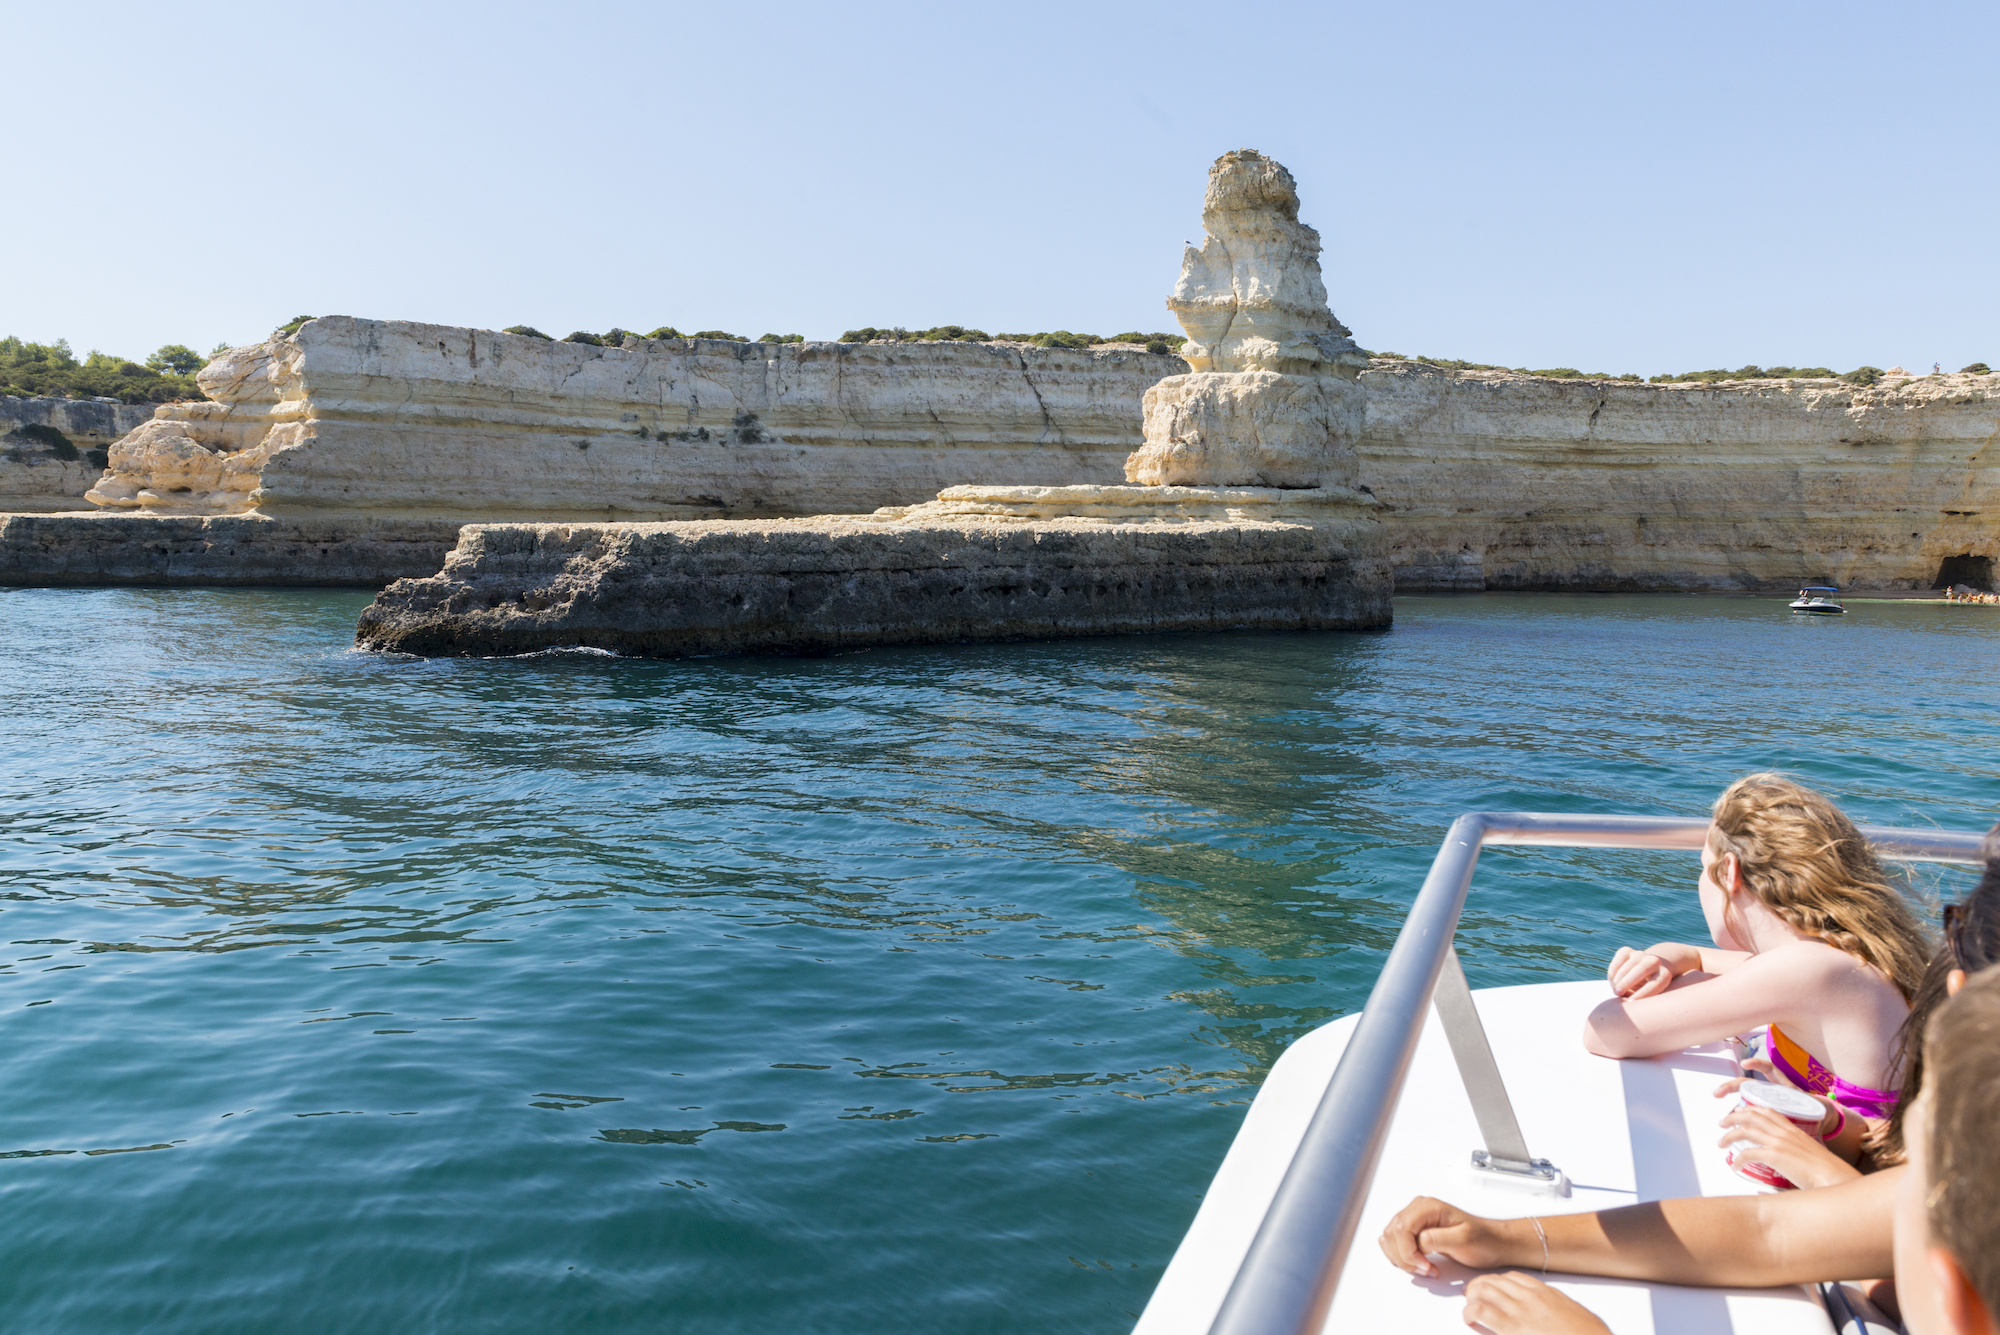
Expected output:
{"points": [[1485, 479], [393, 418], [1496, 480], [51, 449]]}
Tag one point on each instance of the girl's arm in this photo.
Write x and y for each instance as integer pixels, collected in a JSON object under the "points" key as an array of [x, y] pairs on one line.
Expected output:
{"points": [[1648, 972], [1764, 988], [1792, 1237]]}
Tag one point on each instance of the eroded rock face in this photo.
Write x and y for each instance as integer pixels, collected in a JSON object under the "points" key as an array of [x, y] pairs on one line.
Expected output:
{"points": [[1270, 401], [1249, 429], [51, 449], [1491, 480], [1251, 297], [807, 585], [99, 548], [395, 418]]}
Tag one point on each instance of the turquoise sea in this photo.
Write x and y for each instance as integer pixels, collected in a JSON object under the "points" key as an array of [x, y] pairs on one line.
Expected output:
{"points": [[893, 991]]}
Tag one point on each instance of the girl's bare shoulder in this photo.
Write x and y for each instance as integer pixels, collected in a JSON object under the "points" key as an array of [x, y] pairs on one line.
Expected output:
{"points": [[1816, 961]]}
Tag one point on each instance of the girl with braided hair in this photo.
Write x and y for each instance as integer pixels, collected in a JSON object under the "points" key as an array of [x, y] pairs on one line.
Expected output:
{"points": [[1815, 950]]}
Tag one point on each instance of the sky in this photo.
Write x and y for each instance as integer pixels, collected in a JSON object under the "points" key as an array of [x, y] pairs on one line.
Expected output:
{"points": [[1647, 188]]}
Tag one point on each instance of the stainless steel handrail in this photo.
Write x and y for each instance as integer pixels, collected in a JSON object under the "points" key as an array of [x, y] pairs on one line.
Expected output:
{"points": [[1287, 1279]]}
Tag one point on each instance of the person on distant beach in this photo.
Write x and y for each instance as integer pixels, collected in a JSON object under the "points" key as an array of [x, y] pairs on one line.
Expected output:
{"points": [[1814, 949]]}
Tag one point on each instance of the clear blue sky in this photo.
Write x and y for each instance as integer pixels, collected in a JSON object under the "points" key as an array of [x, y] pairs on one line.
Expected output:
{"points": [[1616, 187]]}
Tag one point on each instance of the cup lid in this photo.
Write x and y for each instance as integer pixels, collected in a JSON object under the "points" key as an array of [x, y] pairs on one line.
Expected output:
{"points": [[1781, 1099]]}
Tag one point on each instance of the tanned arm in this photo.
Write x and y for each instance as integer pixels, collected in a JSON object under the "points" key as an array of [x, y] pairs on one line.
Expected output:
{"points": [[1792, 1237]]}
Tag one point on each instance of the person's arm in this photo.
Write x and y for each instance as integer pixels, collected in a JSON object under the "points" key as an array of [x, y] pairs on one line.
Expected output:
{"points": [[1648, 972], [1763, 988], [1791, 1237]]}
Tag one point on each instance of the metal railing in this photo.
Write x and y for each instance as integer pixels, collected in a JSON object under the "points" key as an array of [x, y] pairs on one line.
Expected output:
{"points": [[1288, 1278]]}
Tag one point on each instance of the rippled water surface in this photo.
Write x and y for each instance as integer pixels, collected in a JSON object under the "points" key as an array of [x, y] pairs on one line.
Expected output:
{"points": [[905, 990]]}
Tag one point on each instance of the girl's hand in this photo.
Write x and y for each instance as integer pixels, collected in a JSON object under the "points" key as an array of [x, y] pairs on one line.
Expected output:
{"points": [[1430, 1226], [1512, 1301], [1777, 1141], [1634, 974]]}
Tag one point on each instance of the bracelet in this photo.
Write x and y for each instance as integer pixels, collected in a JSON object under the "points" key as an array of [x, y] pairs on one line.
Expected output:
{"points": [[1545, 1242], [1839, 1126]]}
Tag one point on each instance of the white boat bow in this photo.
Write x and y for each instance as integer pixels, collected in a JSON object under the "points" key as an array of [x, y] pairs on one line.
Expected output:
{"points": [[1364, 1114], [1623, 1132]]}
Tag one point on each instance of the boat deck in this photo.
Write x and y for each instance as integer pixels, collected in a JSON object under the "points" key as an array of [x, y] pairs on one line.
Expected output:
{"points": [[1624, 1131]]}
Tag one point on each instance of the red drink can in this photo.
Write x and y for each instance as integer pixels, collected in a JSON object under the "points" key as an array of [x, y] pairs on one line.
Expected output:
{"points": [[1796, 1106]]}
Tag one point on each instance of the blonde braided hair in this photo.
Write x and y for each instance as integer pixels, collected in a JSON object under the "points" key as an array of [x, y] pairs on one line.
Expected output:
{"points": [[1801, 856]]}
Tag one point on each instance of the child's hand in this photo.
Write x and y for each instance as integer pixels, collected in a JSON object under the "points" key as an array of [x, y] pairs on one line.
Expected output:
{"points": [[1512, 1301], [1777, 1141], [1634, 975]]}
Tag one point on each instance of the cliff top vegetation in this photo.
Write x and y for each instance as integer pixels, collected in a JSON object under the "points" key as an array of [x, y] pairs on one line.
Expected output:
{"points": [[1060, 338], [29, 370], [1861, 375], [944, 333], [615, 338]]}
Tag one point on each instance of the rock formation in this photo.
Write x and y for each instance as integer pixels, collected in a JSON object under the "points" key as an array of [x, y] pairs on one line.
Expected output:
{"points": [[394, 419], [195, 551], [1000, 562], [51, 449], [1271, 399], [1491, 480], [348, 429], [803, 585]]}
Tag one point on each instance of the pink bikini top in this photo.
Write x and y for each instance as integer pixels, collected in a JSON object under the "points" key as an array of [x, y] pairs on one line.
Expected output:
{"points": [[1808, 1073]]}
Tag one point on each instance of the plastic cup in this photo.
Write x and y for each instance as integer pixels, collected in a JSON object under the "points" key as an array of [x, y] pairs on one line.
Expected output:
{"points": [[1796, 1106]]}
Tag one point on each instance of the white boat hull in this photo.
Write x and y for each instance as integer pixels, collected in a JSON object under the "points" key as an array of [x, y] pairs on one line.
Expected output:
{"points": [[1624, 1131]]}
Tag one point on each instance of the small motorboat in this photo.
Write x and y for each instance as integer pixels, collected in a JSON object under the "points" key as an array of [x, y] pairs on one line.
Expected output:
{"points": [[1816, 598]]}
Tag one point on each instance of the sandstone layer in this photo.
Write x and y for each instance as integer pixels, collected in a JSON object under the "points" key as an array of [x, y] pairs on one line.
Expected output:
{"points": [[395, 418], [812, 585], [52, 450]]}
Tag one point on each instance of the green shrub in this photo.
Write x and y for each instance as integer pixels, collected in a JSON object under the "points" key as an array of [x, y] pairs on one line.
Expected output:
{"points": [[580, 337], [55, 441], [175, 359], [721, 334], [1448, 364], [1173, 341], [98, 458], [51, 369], [1863, 376], [1752, 372], [944, 333], [218, 350], [1559, 373], [1061, 338], [781, 338], [526, 331], [665, 331], [297, 321], [1977, 368]]}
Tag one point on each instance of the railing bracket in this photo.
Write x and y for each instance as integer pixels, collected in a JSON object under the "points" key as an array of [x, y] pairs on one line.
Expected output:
{"points": [[1536, 1175]]}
